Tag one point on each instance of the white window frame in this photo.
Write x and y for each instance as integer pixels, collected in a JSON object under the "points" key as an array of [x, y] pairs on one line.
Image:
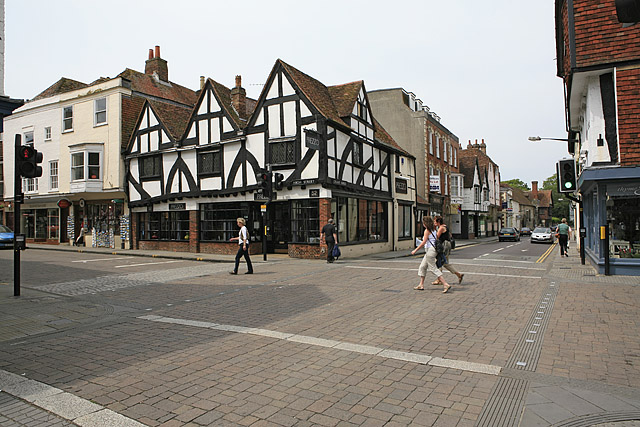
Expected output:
{"points": [[64, 119], [54, 175], [430, 137], [85, 166], [438, 147], [97, 112], [47, 133], [30, 185]]}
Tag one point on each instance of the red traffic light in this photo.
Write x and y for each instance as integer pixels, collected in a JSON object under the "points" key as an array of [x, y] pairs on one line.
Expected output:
{"points": [[27, 162], [26, 152]]}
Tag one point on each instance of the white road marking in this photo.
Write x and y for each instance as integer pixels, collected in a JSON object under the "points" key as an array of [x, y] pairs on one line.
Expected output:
{"points": [[100, 259], [338, 345], [466, 272], [498, 250], [66, 405], [146, 263]]}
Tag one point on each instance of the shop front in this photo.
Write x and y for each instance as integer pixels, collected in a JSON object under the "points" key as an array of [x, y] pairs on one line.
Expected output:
{"points": [[611, 198]]}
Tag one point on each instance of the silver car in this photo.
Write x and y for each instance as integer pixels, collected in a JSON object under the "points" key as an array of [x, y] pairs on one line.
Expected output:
{"points": [[542, 234]]}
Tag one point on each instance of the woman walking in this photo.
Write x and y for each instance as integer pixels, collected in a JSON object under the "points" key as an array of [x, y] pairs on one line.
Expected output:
{"points": [[243, 241], [429, 260], [445, 237]]}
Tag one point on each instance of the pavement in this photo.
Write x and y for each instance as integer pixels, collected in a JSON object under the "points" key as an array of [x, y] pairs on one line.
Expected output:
{"points": [[553, 344]]}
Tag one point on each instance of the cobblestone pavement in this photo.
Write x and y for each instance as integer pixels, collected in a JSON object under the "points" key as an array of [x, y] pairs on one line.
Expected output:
{"points": [[350, 343]]}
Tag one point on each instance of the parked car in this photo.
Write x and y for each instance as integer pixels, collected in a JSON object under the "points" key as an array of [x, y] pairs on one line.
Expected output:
{"points": [[6, 237], [526, 231], [542, 234], [508, 233]]}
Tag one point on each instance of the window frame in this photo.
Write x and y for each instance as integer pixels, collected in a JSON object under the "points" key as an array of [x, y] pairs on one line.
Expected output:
{"points": [[170, 226], [157, 162], [47, 133], [54, 177], [216, 162], [74, 167], [357, 154], [97, 112], [290, 149], [305, 221], [404, 220], [66, 118]]}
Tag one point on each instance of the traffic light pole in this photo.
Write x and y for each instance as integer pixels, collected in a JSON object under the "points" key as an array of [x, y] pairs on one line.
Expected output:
{"points": [[17, 192]]}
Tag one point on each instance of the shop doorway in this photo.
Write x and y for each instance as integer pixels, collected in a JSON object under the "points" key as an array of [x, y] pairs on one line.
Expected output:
{"points": [[279, 234]]}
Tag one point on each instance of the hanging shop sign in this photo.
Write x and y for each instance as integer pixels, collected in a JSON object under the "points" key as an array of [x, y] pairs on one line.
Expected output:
{"points": [[63, 203], [401, 186], [312, 139]]}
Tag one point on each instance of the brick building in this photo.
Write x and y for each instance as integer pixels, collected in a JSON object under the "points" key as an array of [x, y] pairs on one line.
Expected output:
{"points": [[599, 62]]}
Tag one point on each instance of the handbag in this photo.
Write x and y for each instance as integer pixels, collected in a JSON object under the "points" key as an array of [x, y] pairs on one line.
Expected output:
{"points": [[439, 247], [336, 252], [441, 259]]}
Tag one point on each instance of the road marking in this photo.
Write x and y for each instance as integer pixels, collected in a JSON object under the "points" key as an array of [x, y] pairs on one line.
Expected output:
{"points": [[100, 259], [501, 249], [146, 263], [545, 255], [338, 345], [482, 265], [65, 405], [466, 272]]}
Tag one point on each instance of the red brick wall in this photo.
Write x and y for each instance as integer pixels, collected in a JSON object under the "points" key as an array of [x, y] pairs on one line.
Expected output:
{"points": [[228, 248], [325, 214], [306, 251], [151, 245], [628, 93], [599, 36]]}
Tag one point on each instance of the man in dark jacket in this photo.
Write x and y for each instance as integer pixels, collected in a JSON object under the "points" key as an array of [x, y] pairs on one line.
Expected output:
{"points": [[329, 237]]}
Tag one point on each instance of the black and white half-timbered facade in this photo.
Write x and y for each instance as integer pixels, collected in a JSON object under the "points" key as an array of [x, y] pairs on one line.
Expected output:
{"points": [[190, 174]]}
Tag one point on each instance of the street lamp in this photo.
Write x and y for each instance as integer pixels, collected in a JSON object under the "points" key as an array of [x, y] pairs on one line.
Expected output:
{"points": [[537, 138]]}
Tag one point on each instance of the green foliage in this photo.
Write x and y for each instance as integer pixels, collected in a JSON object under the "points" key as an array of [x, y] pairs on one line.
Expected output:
{"points": [[560, 207], [517, 183]]}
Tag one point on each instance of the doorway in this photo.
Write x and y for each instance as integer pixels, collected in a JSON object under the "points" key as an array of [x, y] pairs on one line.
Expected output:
{"points": [[280, 227]]}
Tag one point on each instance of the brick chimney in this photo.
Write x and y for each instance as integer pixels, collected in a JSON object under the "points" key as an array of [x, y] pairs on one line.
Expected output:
{"points": [[483, 147], [534, 188], [156, 65], [239, 98]]}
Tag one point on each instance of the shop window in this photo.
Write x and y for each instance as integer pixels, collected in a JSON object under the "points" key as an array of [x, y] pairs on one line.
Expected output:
{"points": [[103, 217], [404, 219], [623, 217], [172, 226], [359, 220], [218, 221], [305, 221]]}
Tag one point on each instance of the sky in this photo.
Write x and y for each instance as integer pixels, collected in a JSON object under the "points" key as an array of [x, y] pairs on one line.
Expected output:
{"points": [[488, 69]]}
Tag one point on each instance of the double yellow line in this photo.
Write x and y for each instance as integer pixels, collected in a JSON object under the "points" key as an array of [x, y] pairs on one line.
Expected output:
{"points": [[545, 255]]}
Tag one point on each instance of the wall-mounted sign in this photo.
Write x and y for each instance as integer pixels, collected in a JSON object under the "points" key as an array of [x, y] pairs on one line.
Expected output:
{"points": [[312, 139], [434, 183], [626, 189], [314, 192], [177, 206], [401, 186], [63, 203], [304, 181]]}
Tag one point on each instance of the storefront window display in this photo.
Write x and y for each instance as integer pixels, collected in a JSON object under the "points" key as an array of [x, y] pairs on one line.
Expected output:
{"points": [[41, 223], [218, 220], [164, 225], [103, 216], [623, 217], [359, 220], [305, 221]]}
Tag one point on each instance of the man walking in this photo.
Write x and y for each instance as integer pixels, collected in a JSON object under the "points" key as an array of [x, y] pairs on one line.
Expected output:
{"points": [[564, 234], [329, 237]]}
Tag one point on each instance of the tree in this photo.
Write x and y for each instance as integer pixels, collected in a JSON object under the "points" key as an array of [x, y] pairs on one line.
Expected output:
{"points": [[517, 183], [561, 204]]}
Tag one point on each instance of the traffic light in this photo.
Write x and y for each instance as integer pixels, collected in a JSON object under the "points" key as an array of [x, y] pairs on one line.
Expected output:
{"points": [[28, 160], [278, 177], [264, 183], [567, 182]]}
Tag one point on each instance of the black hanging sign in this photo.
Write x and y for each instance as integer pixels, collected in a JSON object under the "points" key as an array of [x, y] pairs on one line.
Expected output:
{"points": [[312, 139]]}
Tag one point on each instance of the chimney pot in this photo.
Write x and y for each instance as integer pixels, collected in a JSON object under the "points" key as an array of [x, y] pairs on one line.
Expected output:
{"points": [[157, 51], [150, 53], [238, 81], [201, 82]]}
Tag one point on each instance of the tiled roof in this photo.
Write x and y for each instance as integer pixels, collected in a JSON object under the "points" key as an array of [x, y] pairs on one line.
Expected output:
{"points": [[174, 117], [543, 198], [61, 86], [224, 94], [518, 195], [383, 136], [148, 85], [345, 96], [131, 108], [317, 93], [467, 167]]}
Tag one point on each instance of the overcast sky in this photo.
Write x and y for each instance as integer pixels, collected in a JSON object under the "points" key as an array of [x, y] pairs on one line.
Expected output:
{"points": [[487, 69]]}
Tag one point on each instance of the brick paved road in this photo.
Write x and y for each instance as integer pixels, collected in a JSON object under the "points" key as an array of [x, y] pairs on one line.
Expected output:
{"points": [[351, 343]]}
